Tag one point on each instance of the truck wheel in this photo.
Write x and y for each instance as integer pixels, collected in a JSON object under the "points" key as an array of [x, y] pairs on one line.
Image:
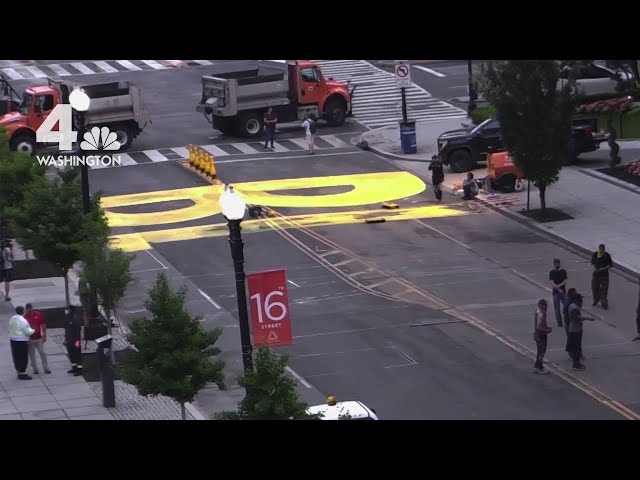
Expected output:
{"points": [[249, 125], [508, 183], [460, 161], [24, 144], [125, 135], [335, 113]]}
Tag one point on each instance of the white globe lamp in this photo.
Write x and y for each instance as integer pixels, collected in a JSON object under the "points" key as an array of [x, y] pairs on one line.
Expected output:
{"points": [[232, 205], [79, 100]]}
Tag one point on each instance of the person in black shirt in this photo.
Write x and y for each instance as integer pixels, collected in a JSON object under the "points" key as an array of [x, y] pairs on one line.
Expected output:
{"points": [[601, 261], [558, 278], [270, 121], [437, 176], [72, 338]]}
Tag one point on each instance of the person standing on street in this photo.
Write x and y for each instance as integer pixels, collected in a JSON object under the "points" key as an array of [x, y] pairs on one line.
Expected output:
{"points": [[437, 176], [541, 330], [575, 331], [571, 296], [601, 261], [558, 278], [309, 126], [19, 333], [270, 120], [6, 268], [72, 337], [36, 342]]}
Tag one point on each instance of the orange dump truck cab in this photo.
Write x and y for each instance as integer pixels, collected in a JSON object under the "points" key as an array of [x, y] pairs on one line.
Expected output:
{"points": [[503, 172]]}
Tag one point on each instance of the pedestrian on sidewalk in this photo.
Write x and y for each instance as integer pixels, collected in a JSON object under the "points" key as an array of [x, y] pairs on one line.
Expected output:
{"points": [[270, 120], [541, 330], [601, 261], [571, 296], [469, 187], [6, 268], [72, 338], [637, 339], [575, 331], [84, 293], [36, 342], [19, 333], [558, 278], [437, 176], [309, 126]]}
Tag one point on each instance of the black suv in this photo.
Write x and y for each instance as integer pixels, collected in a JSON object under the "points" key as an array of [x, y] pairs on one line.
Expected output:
{"points": [[463, 149]]}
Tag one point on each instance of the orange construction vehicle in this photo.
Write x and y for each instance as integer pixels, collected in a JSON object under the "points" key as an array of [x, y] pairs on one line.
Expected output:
{"points": [[503, 173], [237, 94], [116, 105]]}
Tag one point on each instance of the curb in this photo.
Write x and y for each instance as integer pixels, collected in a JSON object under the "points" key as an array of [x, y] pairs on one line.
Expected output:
{"points": [[391, 63], [561, 240], [612, 180]]}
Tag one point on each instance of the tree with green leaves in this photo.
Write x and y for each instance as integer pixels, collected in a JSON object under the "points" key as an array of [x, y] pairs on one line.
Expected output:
{"points": [[108, 271], [17, 170], [173, 350], [535, 117], [271, 392], [50, 221]]}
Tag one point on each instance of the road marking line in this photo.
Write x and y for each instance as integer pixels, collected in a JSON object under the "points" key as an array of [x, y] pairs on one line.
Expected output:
{"points": [[127, 160], [128, 65], [203, 62], [183, 152], [339, 332], [279, 148], [301, 142], [209, 299], [102, 66], [428, 70], [383, 282], [333, 140], [351, 275], [298, 377], [154, 64], [164, 267], [13, 75], [344, 262], [148, 270], [155, 156], [59, 70], [214, 150], [335, 353], [293, 283], [283, 158], [36, 72], [601, 345], [464, 245], [136, 311], [330, 252], [244, 148], [83, 68]]}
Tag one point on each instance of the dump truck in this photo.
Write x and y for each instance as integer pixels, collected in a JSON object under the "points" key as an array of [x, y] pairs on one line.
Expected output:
{"points": [[117, 105], [236, 95]]}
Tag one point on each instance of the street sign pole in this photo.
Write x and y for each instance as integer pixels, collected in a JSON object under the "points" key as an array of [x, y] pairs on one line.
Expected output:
{"points": [[403, 81]]}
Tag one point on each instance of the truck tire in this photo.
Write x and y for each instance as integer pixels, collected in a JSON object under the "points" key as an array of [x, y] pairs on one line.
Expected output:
{"points": [[249, 125], [124, 134], [508, 183], [23, 143], [460, 161], [335, 112]]}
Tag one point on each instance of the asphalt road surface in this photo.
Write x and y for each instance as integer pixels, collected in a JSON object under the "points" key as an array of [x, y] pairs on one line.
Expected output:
{"points": [[356, 335]]}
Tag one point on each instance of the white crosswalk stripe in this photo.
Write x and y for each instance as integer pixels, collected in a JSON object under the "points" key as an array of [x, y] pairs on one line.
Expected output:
{"points": [[291, 145], [21, 71], [377, 101]]}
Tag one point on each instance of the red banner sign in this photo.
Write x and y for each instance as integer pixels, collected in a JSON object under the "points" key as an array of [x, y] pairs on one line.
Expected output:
{"points": [[270, 308]]}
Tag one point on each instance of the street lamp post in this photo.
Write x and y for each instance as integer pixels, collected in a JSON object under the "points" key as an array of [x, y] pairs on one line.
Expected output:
{"points": [[472, 92], [80, 102], [233, 208]]}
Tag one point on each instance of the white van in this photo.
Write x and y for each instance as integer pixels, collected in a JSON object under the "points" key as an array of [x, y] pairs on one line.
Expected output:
{"points": [[349, 410]]}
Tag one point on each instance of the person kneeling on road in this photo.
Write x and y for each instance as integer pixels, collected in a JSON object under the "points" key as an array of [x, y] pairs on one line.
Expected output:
{"points": [[469, 187]]}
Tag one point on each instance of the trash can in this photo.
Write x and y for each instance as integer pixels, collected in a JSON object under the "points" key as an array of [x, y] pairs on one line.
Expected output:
{"points": [[106, 370], [408, 137]]}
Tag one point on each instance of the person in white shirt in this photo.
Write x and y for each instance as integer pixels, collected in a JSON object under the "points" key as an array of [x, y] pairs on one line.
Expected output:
{"points": [[309, 126], [19, 333]]}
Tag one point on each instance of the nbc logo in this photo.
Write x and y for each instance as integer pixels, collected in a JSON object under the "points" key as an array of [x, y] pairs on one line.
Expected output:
{"points": [[100, 137]]}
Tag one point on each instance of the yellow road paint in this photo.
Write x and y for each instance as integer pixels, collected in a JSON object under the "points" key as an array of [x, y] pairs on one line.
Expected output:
{"points": [[366, 189], [132, 242]]}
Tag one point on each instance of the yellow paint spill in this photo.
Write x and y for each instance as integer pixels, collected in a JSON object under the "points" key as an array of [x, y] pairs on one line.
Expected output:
{"points": [[133, 242], [367, 189]]}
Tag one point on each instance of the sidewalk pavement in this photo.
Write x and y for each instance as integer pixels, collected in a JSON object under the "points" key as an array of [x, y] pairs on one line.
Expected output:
{"points": [[604, 209], [60, 396]]}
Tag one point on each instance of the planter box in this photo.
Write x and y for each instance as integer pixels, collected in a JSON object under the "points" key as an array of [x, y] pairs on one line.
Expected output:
{"points": [[34, 268]]}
